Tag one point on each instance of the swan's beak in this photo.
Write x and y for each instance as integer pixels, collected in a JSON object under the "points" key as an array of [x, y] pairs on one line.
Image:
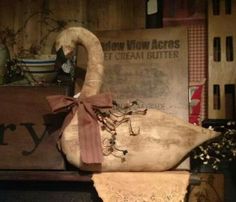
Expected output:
{"points": [[61, 58]]}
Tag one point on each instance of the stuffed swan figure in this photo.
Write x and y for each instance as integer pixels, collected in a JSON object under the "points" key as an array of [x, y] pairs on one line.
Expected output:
{"points": [[128, 140]]}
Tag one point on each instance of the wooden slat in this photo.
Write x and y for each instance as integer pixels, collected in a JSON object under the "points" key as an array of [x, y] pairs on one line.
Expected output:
{"points": [[44, 176], [92, 14], [72, 176]]}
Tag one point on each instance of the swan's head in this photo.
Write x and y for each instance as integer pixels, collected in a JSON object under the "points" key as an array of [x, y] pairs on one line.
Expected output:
{"points": [[67, 41]]}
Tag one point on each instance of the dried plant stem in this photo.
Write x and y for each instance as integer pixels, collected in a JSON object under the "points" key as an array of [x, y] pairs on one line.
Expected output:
{"points": [[111, 120]]}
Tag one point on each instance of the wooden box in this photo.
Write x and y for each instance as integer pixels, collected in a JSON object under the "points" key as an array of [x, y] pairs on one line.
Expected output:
{"points": [[28, 129], [210, 189]]}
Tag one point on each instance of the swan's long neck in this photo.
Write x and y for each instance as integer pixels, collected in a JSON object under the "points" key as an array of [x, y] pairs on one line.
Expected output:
{"points": [[68, 40]]}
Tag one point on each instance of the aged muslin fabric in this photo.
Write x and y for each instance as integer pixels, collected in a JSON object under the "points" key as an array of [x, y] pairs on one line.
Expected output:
{"points": [[152, 142], [68, 39], [142, 186], [161, 144]]}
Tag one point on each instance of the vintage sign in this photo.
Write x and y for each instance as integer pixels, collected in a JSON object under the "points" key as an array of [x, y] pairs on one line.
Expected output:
{"points": [[28, 129], [149, 65]]}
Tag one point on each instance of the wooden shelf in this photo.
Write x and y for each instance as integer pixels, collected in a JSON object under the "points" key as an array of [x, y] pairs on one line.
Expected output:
{"points": [[69, 176]]}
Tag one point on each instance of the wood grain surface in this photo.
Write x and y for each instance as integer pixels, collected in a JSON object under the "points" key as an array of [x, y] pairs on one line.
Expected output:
{"points": [[28, 130]]}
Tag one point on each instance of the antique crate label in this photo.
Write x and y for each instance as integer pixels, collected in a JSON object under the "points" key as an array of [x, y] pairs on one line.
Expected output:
{"points": [[28, 130], [149, 65]]}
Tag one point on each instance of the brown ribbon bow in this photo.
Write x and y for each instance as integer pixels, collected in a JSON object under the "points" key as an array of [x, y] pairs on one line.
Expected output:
{"points": [[89, 132]]}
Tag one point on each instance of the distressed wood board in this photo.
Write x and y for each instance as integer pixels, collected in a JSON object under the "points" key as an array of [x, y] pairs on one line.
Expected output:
{"points": [[148, 65], [28, 130], [221, 72], [210, 185], [105, 14]]}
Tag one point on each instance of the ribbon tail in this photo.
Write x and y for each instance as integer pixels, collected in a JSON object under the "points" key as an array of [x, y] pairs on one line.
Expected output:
{"points": [[90, 139], [66, 122], [59, 103]]}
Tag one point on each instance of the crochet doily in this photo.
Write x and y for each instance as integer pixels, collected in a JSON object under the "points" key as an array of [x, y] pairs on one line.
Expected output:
{"points": [[141, 186]]}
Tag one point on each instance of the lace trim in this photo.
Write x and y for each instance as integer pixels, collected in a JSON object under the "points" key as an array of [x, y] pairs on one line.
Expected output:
{"points": [[141, 190]]}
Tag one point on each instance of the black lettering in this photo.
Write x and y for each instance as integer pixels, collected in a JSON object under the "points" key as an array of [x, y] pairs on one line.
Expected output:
{"points": [[165, 44], [171, 44], [36, 139], [177, 43], [154, 44], [138, 45], [145, 45], [130, 44], [176, 54], [161, 43], [3, 128], [112, 46]]}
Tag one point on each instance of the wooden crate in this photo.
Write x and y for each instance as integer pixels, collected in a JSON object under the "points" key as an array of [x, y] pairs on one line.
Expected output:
{"points": [[147, 65], [211, 188], [28, 130]]}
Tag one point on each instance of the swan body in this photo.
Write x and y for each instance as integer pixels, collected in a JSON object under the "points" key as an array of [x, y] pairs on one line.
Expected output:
{"points": [[163, 140]]}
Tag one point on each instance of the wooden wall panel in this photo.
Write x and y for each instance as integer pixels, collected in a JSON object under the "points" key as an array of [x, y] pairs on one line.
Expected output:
{"points": [[92, 14], [38, 18], [73, 12], [7, 15], [32, 33], [220, 71], [116, 14], [28, 130]]}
